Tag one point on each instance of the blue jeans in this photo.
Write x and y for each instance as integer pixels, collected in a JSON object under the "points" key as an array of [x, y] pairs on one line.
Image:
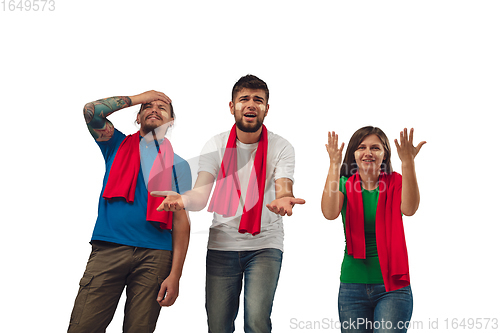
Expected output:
{"points": [[226, 270], [367, 308]]}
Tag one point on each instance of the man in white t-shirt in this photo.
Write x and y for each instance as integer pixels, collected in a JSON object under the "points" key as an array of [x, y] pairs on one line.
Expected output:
{"points": [[252, 167]]}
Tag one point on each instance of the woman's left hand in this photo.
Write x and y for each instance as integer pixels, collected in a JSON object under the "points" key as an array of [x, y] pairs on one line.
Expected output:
{"points": [[406, 150]]}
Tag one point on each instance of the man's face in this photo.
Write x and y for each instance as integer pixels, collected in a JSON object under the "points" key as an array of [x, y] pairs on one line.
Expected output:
{"points": [[249, 109], [153, 115]]}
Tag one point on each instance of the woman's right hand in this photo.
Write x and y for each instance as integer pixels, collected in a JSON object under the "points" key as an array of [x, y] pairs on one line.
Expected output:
{"points": [[333, 199], [332, 147]]}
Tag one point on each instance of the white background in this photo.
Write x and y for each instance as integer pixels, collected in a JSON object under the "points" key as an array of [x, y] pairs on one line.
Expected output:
{"points": [[329, 65]]}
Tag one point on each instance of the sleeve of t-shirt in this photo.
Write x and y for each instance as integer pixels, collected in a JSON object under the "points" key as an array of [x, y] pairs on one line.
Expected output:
{"points": [[285, 165], [110, 147], [182, 175], [210, 158], [342, 182]]}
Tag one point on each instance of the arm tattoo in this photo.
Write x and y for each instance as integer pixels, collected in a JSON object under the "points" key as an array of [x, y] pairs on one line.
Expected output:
{"points": [[88, 112], [105, 133], [115, 103], [105, 107], [95, 114]]}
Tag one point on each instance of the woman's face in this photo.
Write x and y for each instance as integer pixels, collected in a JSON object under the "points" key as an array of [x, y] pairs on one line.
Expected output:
{"points": [[370, 154]]}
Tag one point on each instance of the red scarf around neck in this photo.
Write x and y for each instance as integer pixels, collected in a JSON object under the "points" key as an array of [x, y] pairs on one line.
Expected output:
{"points": [[389, 231], [227, 193], [124, 172]]}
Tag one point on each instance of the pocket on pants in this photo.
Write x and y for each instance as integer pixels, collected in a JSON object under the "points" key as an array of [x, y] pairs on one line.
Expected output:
{"points": [[81, 298]]}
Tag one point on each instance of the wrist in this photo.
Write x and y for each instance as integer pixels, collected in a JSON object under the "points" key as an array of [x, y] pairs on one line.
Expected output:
{"points": [[185, 201], [136, 99], [175, 274], [335, 167], [410, 163]]}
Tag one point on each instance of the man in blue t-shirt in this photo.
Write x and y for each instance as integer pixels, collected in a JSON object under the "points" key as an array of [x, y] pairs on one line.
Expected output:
{"points": [[133, 244]]}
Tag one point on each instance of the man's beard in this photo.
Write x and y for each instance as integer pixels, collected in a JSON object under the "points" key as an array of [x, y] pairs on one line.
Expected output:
{"points": [[148, 128], [159, 131], [249, 128]]}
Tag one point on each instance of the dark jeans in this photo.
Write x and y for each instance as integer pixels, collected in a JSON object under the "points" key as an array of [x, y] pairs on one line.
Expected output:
{"points": [[367, 308], [110, 268], [226, 271]]}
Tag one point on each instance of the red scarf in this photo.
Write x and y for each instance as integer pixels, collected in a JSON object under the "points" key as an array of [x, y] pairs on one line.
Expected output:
{"points": [[124, 172], [389, 231], [227, 191]]}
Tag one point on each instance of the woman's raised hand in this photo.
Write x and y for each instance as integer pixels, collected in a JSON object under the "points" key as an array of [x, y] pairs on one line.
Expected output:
{"points": [[332, 147], [406, 150]]}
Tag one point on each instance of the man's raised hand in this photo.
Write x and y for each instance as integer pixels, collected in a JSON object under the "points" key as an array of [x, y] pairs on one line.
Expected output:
{"points": [[150, 96]]}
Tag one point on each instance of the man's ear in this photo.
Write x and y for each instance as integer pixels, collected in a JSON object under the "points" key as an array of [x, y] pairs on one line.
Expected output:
{"points": [[138, 121], [231, 107]]}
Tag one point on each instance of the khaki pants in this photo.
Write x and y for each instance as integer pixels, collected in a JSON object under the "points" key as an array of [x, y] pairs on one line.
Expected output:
{"points": [[110, 268]]}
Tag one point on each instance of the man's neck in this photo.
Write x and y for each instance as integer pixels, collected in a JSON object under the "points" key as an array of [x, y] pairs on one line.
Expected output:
{"points": [[247, 138], [156, 134]]}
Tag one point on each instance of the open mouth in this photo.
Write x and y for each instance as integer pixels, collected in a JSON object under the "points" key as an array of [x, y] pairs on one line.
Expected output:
{"points": [[250, 115]]}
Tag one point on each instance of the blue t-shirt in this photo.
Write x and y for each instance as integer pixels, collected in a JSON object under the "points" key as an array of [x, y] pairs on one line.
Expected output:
{"points": [[125, 223]]}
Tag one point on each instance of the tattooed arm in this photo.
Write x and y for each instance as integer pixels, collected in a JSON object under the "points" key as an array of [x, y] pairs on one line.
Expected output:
{"points": [[96, 113]]}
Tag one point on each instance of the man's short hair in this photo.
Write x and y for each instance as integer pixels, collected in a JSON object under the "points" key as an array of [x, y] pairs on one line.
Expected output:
{"points": [[250, 82]]}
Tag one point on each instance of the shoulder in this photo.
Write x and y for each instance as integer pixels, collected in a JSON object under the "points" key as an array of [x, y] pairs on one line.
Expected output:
{"points": [[180, 162], [115, 140], [277, 139], [395, 175], [220, 138], [279, 145], [395, 178], [391, 183], [182, 174], [342, 181], [216, 142]]}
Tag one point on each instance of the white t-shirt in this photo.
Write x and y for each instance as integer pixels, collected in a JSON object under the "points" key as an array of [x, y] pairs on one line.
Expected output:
{"points": [[224, 233]]}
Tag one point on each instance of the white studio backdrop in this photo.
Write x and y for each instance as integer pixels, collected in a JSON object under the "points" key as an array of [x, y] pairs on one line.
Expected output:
{"points": [[329, 65]]}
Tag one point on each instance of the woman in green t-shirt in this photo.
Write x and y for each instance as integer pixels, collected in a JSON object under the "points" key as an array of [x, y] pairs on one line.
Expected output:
{"points": [[375, 290]]}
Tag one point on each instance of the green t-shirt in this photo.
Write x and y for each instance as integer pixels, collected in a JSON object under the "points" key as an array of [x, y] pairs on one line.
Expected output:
{"points": [[362, 270]]}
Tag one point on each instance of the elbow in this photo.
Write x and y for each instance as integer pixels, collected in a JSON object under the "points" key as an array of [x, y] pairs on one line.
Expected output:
{"points": [[88, 112], [330, 215], [199, 204], [410, 204], [409, 211], [196, 206]]}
